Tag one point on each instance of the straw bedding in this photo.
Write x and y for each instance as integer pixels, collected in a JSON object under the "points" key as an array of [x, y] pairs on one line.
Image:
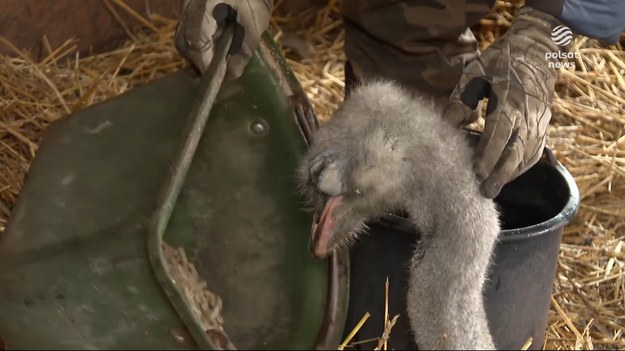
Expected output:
{"points": [[586, 134], [207, 306]]}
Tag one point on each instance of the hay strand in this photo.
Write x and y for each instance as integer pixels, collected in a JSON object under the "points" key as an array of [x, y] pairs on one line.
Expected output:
{"points": [[386, 310], [527, 344], [351, 334]]}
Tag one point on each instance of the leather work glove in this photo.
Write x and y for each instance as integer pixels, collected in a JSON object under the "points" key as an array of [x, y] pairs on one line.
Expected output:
{"points": [[516, 76], [202, 22]]}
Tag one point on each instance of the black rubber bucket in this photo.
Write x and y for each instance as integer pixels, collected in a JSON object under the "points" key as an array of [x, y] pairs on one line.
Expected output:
{"points": [[535, 208]]}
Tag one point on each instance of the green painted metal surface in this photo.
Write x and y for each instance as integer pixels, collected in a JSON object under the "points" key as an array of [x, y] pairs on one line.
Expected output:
{"points": [[74, 263]]}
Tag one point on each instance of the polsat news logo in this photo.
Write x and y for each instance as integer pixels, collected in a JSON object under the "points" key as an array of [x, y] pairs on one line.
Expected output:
{"points": [[562, 35]]}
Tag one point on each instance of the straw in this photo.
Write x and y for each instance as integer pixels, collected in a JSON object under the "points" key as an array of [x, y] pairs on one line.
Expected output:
{"points": [[351, 334]]}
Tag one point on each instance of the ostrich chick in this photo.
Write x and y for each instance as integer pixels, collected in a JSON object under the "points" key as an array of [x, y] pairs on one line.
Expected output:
{"points": [[384, 150]]}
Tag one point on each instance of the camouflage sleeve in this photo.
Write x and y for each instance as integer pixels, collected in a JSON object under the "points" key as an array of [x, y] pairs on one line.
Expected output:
{"points": [[599, 19]]}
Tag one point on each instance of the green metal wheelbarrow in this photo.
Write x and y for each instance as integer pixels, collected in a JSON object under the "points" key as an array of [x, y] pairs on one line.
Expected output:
{"points": [[203, 166]]}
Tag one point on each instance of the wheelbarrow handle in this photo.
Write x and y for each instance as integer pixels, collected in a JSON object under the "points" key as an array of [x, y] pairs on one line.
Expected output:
{"points": [[212, 79], [211, 82]]}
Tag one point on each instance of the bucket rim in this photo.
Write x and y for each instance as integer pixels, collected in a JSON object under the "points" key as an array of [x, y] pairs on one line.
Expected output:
{"points": [[563, 218]]}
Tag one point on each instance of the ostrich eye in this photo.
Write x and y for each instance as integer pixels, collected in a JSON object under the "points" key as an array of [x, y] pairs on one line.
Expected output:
{"points": [[330, 180]]}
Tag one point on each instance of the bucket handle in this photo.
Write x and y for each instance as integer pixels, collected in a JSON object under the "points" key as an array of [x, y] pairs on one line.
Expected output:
{"points": [[192, 133]]}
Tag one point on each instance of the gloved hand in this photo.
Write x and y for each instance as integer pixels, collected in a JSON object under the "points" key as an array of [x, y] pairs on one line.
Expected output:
{"points": [[515, 75], [202, 22]]}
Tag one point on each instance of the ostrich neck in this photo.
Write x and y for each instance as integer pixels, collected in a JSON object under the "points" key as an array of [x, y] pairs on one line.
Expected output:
{"points": [[447, 275]]}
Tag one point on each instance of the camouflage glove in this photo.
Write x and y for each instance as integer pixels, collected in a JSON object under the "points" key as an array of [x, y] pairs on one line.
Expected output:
{"points": [[202, 22], [515, 75]]}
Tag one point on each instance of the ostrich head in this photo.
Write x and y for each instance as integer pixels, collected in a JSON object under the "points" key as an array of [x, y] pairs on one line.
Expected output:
{"points": [[356, 169]]}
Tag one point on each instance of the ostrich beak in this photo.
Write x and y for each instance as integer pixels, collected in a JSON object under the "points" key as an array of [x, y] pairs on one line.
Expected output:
{"points": [[323, 228]]}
